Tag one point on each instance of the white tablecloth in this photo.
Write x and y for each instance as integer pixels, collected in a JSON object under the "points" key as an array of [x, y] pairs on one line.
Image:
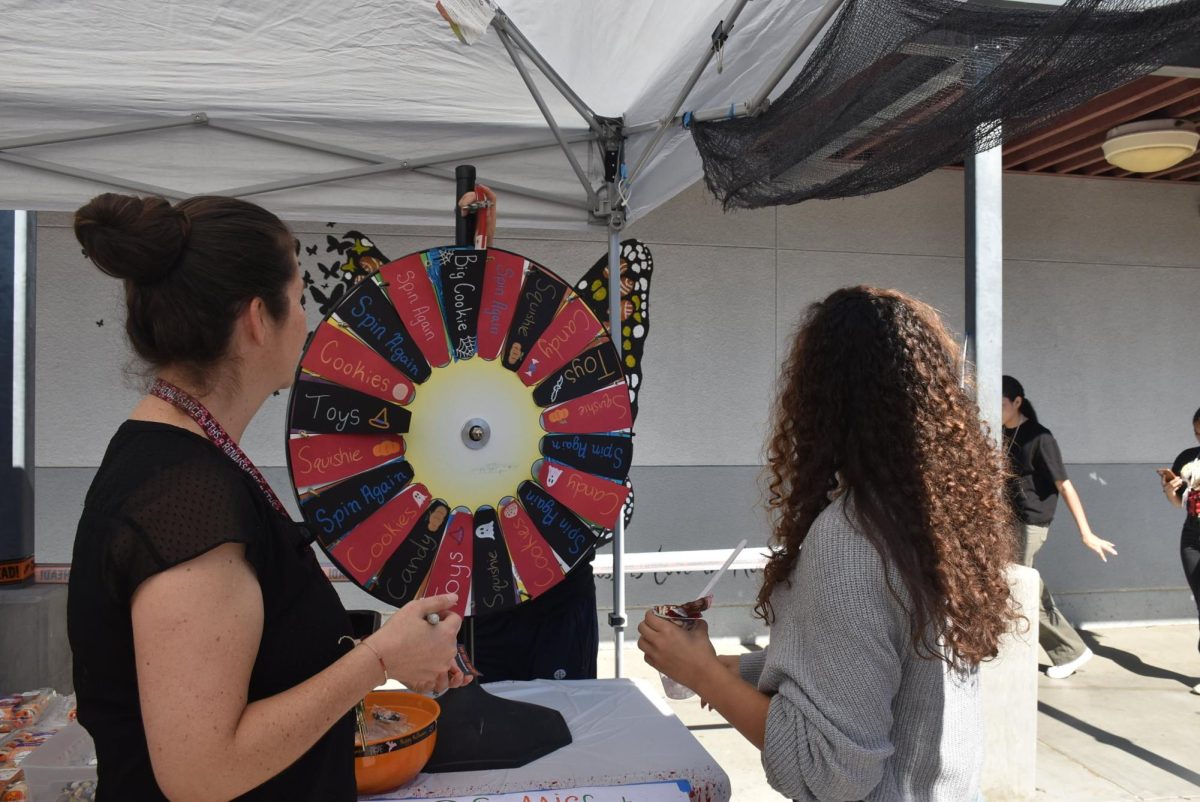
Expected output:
{"points": [[623, 732]]}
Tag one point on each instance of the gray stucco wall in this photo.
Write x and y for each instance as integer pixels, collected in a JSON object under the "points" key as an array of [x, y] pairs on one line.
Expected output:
{"points": [[1101, 278]]}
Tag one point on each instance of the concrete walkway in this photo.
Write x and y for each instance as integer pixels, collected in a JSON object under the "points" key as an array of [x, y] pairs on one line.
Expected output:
{"points": [[1123, 728]]}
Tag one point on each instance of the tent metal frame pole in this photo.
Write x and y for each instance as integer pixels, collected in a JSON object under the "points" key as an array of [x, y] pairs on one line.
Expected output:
{"points": [[390, 165], [758, 102], [506, 27], [379, 159], [617, 619], [580, 173], [983, 202], [97, 133], [377, 163], [512, 189], [727, 113], [666, 122], [89, 175]]}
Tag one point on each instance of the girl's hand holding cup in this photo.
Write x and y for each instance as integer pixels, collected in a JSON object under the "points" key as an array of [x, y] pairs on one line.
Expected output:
{"points": [[679, 648]]}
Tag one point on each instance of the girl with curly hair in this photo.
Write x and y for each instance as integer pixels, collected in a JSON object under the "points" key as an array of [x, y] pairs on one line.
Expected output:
{"points": [[887, 585]]}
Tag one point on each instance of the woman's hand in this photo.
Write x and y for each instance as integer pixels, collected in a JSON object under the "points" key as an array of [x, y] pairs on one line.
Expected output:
{"points": [[487, 210], [420, 654], [1099, 545], [685, 656], [1172, 486], [1102, 547], [689, 658]]}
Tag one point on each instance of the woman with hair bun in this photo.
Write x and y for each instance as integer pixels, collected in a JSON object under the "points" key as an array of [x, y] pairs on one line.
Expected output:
{"points": [[1039, 477], [212, 657], [887, 585]]}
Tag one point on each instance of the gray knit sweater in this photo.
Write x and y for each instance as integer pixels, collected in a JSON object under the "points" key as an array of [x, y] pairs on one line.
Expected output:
{"points": [[855, 714]]}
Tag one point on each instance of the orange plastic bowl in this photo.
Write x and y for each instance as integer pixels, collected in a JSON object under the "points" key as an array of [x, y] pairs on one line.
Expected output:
{"points": [[390, 763]]}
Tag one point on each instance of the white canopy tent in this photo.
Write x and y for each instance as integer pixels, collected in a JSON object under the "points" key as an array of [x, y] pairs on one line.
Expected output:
{"points": [[359, 112]]}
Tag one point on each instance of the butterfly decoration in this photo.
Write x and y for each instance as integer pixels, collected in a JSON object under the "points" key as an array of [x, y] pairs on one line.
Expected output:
{"points": [[637, 268], [355, 258]]}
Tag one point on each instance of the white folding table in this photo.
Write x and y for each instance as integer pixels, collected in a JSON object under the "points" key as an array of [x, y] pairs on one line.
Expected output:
{"points": [[623, 733]]}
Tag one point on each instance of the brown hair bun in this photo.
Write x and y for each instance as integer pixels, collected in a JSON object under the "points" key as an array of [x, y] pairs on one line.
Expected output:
{"points": [[134, 239]]}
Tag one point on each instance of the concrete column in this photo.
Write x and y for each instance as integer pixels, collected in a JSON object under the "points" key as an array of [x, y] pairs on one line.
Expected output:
{"points": [[33, 618], [17, 258], [1009, 688], [984, 280]]}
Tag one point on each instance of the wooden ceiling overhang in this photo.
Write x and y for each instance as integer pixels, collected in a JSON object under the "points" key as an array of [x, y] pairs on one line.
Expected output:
{"points": [[1070, 144]]}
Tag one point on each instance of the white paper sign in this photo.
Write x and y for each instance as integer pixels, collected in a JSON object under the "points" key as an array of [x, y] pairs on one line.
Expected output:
{"points": [[676, 791], [469, 19]]}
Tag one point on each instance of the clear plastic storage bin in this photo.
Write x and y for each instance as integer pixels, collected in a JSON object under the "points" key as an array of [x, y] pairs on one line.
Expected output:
{"points": [[64, 768]]}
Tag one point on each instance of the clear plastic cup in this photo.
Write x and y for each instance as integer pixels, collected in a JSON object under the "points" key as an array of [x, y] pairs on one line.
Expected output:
{"points": [[673, 689]]}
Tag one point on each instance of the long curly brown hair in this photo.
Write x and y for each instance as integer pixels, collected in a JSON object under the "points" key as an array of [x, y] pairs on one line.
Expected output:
{"points": [[870, 400]]}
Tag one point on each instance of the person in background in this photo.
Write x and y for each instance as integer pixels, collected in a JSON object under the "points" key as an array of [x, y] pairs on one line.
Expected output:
{"points": [[888, 586], [1039, 478], [554, 636], [212, 657], [1181, 486]]}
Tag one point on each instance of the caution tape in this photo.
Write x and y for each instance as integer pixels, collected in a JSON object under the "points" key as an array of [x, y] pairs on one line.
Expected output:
{"points": [[14, 572]]}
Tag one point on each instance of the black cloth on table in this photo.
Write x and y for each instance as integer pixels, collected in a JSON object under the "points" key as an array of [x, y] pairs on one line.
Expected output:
{"points": [[164, 495]]}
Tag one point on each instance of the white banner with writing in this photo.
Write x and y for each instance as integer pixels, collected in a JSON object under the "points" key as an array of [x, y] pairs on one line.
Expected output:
{"points": [[673, 791]]}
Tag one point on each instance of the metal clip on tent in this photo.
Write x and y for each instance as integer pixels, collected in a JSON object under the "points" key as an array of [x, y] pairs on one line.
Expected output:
{"points": [[760, 102], [478, 206], [719, 36], [725, 27]]}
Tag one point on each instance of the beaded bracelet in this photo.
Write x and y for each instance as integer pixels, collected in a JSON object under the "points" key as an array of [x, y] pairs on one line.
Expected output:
{"points": [[374, 651]]}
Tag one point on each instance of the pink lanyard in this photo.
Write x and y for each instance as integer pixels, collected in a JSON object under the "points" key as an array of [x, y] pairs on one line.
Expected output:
{"points": [[217, 434]]}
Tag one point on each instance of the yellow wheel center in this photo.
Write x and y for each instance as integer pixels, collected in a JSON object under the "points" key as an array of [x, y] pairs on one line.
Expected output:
{"points": [[473, 471]]}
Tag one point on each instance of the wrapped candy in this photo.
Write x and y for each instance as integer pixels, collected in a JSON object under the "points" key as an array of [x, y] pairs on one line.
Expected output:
{"points": [[23, 709], [12, 786]]}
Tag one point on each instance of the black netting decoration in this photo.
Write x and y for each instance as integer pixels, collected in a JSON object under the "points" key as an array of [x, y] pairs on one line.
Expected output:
{"points": [[897, 88]]}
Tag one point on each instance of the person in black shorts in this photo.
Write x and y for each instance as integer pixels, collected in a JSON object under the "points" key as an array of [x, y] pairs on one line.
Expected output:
{"points": [[555, 636], [1181, 485], [1039, 477]]}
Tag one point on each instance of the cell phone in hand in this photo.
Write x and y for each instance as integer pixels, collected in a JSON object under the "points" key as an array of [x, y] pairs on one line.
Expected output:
{"points": [[1165, 473]]}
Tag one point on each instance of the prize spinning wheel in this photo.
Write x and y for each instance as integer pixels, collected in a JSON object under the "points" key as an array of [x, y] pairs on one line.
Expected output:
{"points": [[461, 422]]}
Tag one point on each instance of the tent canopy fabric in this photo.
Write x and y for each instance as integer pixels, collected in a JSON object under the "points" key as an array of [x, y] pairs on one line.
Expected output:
{"points": [[385, 89]]}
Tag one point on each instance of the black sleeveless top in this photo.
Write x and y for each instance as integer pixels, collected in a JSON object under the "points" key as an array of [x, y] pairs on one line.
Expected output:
{"points": [[162, 496]]}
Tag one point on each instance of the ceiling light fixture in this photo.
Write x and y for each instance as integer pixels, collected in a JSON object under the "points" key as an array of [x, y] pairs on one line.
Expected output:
{"points": [[1149, 146]]}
